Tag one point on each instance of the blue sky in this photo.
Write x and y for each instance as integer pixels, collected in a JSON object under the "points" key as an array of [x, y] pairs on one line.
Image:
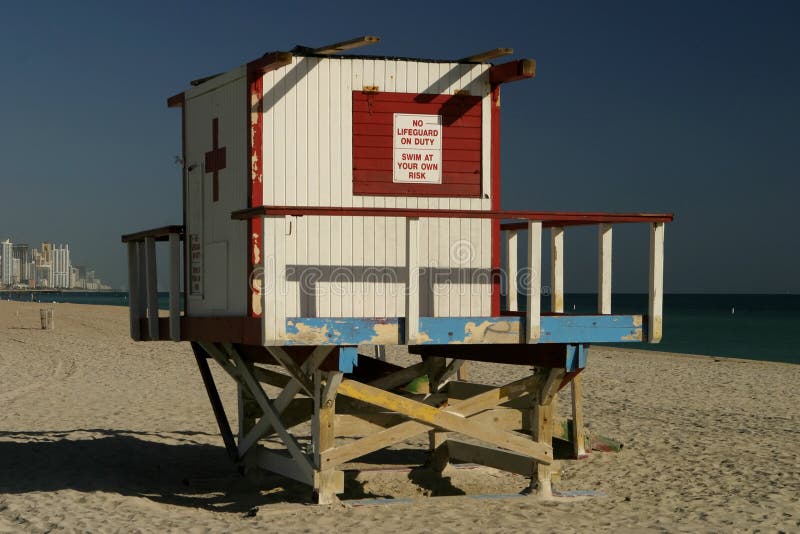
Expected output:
{"points": [[689, 107]]}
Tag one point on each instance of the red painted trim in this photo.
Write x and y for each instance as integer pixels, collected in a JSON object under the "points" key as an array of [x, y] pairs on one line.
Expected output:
{"points": [[512, 71], [560, 218], [373, 151], [495, 196], [176, 101], [255, 183]]}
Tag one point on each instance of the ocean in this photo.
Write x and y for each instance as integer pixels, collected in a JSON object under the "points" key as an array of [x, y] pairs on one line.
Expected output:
{"points": [[757, 327]]}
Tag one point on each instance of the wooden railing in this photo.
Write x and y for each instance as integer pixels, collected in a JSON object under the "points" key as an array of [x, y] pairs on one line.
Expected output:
{"points": [[531, 221], [143, 280], [534, 288]]}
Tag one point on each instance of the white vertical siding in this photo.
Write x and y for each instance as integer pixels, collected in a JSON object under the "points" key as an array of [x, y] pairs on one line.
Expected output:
{"points": [[308, 162], [224, 242]]}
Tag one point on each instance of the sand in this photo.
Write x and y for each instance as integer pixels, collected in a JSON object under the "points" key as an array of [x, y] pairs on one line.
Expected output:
{"points": [[101, 434]]}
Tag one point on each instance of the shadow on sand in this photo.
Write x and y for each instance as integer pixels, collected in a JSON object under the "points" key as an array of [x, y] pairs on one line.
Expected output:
{"points": [[174, 468]]}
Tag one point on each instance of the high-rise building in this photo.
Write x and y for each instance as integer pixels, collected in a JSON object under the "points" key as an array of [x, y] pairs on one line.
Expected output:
{"points": [[61, 272], [6, 262], [22, 253]]}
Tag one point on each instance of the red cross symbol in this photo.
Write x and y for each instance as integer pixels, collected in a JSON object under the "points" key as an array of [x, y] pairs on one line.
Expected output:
{"points": [[215, 158]]}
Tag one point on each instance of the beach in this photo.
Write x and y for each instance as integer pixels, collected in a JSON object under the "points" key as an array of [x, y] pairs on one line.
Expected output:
{"points": [[101, 434]]}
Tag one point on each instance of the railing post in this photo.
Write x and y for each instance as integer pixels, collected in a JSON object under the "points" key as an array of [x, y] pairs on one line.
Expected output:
{"points": [[134, 291], [656, 282], [604, 269], [412, 283], [174, 287], [512, 267], [152, 287], [557, 269], [533, 313]]}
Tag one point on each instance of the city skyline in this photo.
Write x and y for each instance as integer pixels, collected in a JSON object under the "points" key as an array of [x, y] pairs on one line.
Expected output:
{"points": [[48, 267]]}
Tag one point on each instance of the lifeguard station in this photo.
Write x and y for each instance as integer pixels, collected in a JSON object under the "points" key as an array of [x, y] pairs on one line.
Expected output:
{"points": [[333, 201]]}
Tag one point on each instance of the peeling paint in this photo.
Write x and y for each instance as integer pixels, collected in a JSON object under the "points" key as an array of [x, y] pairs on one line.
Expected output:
{"points": [[308, 335], [635, 335], [384, 334], [491, 332], [637, 320]]}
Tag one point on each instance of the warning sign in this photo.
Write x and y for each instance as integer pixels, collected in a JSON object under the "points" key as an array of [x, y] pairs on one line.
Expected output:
{"points": [[196, 265], [417, 149]]}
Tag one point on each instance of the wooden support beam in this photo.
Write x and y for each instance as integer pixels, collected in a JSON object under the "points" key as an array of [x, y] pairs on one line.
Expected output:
{"points": [[512, 270], [488, 55], [542, 425], [323, 435], [249, 412], [656, 282], [445, 420], [265, 425], [534, 289], [401, 377], [413, 282], [175, 287], [557, 269], [269, 412], [294, 370], [133, 290], [152, 287], [409, 429], [342, 46], [216, 403], [512, 71], [604, 269], [283, 465], [577, 417], [491, 457]]}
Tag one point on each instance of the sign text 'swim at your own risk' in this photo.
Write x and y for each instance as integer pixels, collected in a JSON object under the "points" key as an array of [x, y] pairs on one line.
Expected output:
{"points": [[417, 149]]}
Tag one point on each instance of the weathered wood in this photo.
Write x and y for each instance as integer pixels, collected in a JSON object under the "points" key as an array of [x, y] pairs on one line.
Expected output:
{"points": [[152, 287], [534, 289], [491, 457], [293, 369], [400, 378], [577, 417], [269, 412], [323, 435], [512, 270], [656, 303], [604, 243], [436, 366], [264, 426], [445, 420], [342, 46], [488, 55], [410, 429], [412, 284], [133, 290], [542, 425], [557, 269], [175, 287], [283, 465], [216, 403]]}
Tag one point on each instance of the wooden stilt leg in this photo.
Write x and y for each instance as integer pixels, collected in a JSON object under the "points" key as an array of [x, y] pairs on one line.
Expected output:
{"points": [[436, 368], [577, 417], [542, 424], [249, 412], [327, 480]]}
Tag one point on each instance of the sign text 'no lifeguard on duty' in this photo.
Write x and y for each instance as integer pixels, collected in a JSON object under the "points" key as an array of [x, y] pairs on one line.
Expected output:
{"points": [[417, 149]]}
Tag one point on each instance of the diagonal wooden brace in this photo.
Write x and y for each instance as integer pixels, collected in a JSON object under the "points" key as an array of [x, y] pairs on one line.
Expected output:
{"points": [[293, 387], [272, 416], [425, 417]]}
